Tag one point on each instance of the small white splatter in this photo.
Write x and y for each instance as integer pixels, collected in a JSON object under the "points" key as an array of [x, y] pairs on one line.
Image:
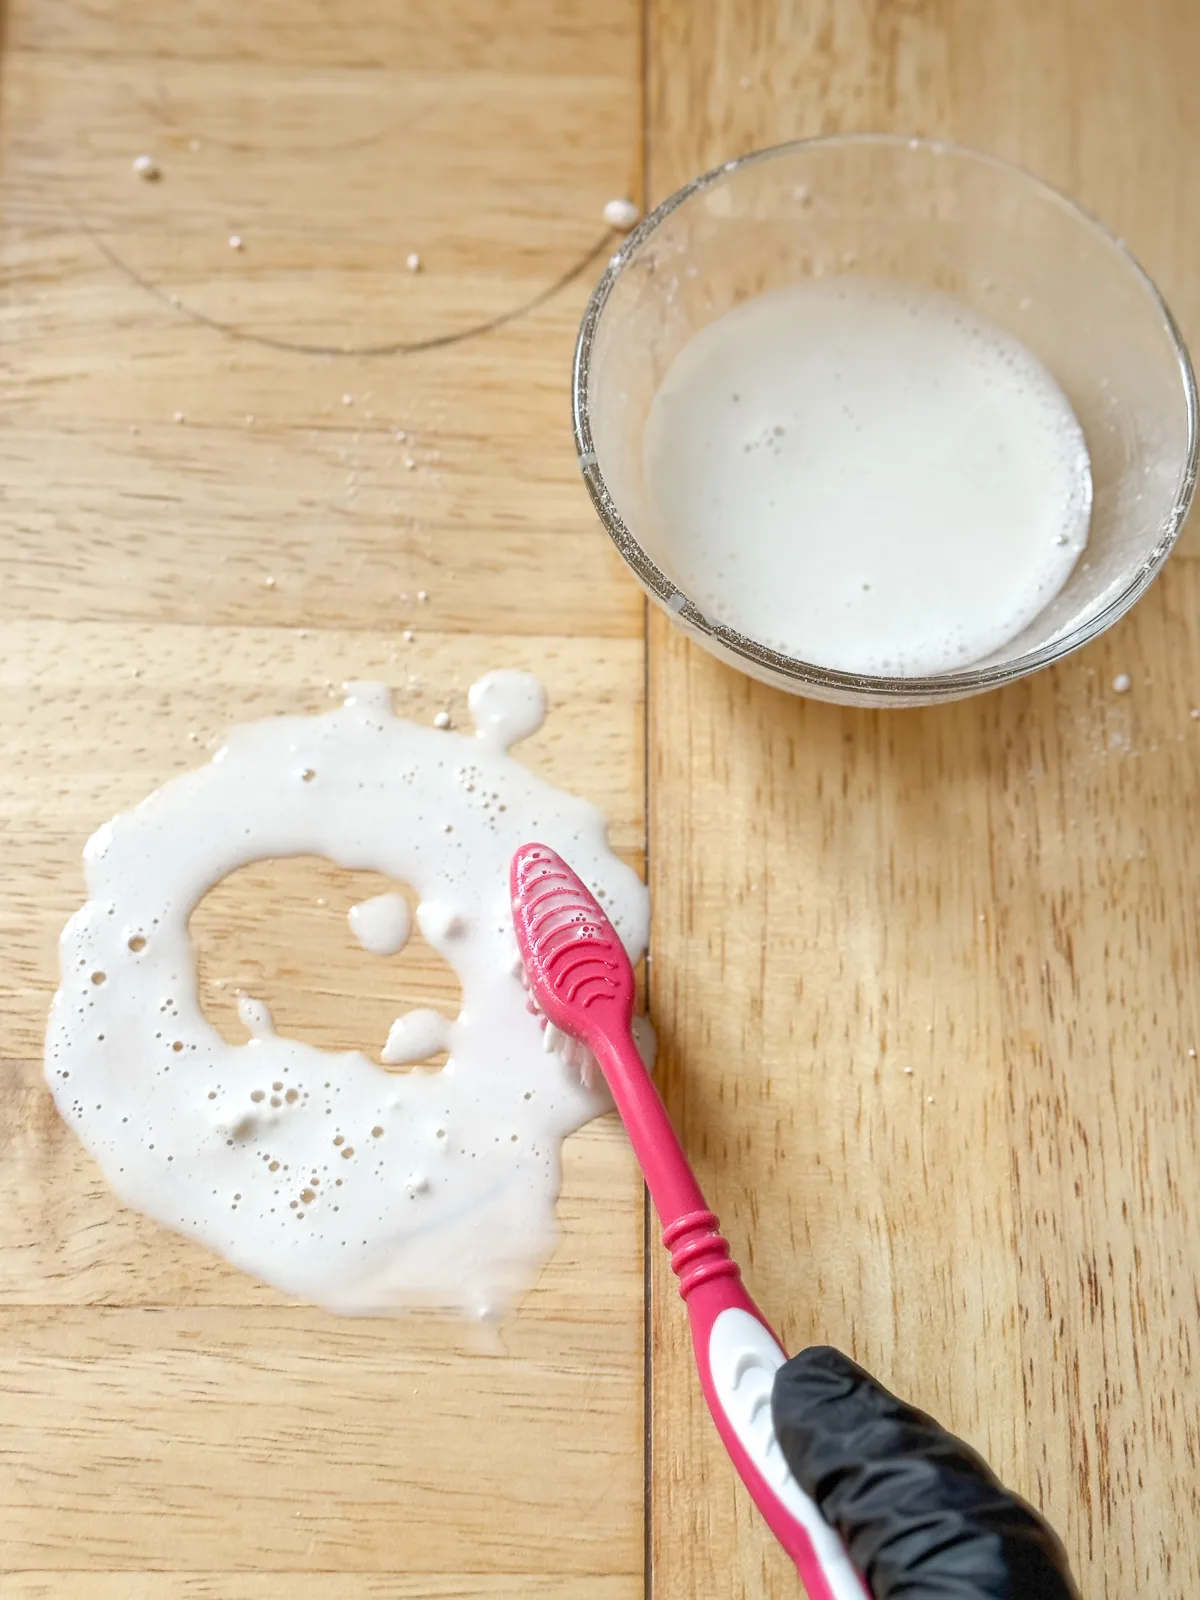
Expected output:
{"points": [[179, 417], [236, 242], [1122, 683], [507, 706], [442, 720], [416, 1036], [381, 925], [413, 261], [147, 168], [622, 214]]}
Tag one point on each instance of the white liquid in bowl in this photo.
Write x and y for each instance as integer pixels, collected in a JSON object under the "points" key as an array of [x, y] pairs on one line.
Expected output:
{"points": [[866, 476]]}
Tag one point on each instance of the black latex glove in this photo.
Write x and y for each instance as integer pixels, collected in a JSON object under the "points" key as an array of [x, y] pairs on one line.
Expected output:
{"points": [[923, 1516]]}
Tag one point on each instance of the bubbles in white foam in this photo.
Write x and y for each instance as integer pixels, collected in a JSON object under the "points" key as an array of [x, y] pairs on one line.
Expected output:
{"points": [[322, 1173], [256, 1016], [900, 488]]}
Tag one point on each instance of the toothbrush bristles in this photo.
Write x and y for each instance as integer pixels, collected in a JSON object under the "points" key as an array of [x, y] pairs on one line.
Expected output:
{"points": [[572, 1052]]}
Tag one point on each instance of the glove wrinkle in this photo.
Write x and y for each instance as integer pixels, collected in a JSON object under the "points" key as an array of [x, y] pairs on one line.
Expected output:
{"points": [[921, 1513]]}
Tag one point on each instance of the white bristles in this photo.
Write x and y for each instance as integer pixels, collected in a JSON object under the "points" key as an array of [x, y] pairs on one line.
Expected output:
{"points": [[589, 1072], [573, 1053]]}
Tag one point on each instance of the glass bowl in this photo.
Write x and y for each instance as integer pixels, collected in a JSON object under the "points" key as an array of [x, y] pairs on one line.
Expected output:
{"points": [[936, 216]]}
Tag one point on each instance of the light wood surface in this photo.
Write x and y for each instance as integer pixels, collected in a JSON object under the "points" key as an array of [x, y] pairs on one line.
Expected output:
{"points": [[997, 895], [168, 1427]]}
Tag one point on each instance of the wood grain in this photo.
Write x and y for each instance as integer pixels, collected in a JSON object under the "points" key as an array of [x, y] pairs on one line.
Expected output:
{"points": [[996, 896], [301, 1585], [926, 980], [172, 1428]]}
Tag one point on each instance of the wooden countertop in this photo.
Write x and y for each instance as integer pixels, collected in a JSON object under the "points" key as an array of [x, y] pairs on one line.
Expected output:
{"points": [[998, 894]]}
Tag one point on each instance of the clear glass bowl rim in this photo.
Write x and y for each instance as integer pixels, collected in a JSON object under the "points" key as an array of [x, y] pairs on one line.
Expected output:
{"points": [[804, 675]]}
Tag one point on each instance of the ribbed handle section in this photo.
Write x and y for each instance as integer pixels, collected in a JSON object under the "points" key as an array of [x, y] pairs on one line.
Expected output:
{"points": [[699, 1251]]}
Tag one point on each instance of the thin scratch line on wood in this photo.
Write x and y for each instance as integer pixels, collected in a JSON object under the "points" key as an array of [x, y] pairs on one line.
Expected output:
{"points": [[441, 341]]}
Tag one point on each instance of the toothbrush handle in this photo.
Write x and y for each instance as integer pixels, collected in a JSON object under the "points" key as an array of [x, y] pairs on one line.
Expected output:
{"points": [[736, 1353]]}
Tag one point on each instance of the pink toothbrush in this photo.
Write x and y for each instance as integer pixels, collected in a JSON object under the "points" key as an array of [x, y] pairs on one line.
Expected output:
{"points": [[580, 978]]}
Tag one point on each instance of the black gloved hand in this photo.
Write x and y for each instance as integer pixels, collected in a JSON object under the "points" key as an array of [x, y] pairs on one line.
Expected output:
{"points": [[922, 1515]]}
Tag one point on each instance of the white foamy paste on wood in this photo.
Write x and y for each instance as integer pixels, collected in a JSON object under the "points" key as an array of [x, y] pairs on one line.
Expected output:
{"points": [[336, 1181]]}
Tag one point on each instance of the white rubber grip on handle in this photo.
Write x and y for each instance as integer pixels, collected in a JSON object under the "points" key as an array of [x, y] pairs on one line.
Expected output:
{"points": [[743, 1359]]}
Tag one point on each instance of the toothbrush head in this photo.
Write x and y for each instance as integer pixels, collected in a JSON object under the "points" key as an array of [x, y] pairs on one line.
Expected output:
{"points": [[574, 964]]}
